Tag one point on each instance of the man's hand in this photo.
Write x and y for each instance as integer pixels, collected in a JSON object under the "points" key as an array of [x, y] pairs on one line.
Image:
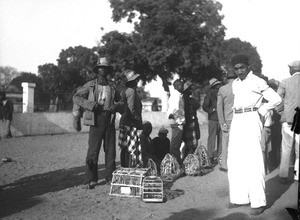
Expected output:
{"points": [[224, 127]]}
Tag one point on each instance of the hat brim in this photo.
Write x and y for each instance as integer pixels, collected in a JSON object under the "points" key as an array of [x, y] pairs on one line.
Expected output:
{"points": [[95, 69], [215, 83], [135, 76], [186, 87]]}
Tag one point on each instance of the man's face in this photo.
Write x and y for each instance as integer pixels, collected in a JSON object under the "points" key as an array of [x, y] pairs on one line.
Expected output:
{"points": [[241, 70], [178, 86], [103, 71]]}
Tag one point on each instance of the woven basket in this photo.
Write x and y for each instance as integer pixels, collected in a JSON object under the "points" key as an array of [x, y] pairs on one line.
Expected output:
{"points": [[152, 167], [170, 168], [204, 160], [192, 165]]}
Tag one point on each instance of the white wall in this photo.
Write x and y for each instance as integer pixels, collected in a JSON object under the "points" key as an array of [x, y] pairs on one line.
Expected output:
{"points": [[25, 124]]}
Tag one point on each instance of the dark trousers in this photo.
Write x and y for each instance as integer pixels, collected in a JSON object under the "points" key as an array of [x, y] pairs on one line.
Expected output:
{"points": [[214, 133], [125, 157], [176, 140], [102, 131]]}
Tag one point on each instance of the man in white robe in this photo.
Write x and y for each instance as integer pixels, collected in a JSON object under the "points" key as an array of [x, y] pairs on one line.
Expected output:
{"points": [[245, 160]]}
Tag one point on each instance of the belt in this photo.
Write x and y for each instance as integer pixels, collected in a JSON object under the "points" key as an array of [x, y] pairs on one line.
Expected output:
{"points": [[243, 110]]}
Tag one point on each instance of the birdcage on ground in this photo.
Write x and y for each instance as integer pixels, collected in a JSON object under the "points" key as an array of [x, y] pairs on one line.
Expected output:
{"points": [[128, 182], [152, 189]]}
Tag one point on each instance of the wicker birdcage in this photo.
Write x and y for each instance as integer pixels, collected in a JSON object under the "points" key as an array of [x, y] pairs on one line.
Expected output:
{"points": [[128, 181], [152, 189], [192, 165], [152, 167], [170, 168], [204, 160]]}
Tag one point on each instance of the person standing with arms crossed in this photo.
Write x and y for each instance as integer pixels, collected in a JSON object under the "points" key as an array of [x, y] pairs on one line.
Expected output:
{"points": [[246, 171], [225, 113]]}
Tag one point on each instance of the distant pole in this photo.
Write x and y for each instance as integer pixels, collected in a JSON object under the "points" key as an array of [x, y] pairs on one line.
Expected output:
{"points": [[28, 97]]}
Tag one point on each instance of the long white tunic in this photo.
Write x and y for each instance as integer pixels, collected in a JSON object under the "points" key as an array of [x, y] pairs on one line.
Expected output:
{"points": [[245, 159]]}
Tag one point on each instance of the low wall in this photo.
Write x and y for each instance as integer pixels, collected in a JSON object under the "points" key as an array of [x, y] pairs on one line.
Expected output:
{"points": [[25, 124]]}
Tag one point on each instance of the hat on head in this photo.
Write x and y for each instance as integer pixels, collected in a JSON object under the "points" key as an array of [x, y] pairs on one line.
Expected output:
{"points": [[102, 62], [213, 82], [295, 65], [130, 75], [240, 58], [163, 130], [187, 85]]}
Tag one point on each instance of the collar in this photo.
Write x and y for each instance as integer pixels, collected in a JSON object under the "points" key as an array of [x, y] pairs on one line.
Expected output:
{"points": [[250, 74], [296, 73]]}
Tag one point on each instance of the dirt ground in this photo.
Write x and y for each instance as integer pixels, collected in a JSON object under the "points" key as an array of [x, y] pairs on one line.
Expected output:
{"points": [[44, 182]]}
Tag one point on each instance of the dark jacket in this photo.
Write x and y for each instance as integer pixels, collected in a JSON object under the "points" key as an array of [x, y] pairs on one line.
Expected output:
{"points": [[132, 115], [6, 111], [87, 97], [191, 105], [210, 102]]}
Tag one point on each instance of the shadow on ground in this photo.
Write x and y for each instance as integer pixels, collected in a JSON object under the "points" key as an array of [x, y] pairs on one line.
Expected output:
{"points": [[22, 194], [275, 189], [205, 214]]}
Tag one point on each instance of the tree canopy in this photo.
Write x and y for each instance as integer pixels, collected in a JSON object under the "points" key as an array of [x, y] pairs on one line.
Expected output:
{"points": [[73, 69], [235, 46], [7, 74], [181, 36], [75, 65], [26, 77]]}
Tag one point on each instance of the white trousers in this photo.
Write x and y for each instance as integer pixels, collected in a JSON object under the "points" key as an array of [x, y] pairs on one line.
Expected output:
{"points": [[286, 148], [245, 161]]}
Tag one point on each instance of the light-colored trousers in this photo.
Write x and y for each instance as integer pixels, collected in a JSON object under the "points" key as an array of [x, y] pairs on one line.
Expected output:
{"points": [[225, 141], [245, 161], [286, 148]]}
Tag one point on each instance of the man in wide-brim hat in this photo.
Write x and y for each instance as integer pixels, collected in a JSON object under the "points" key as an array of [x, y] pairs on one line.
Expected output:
{"points": [[102, 63], [99, 98], [214, 130]]}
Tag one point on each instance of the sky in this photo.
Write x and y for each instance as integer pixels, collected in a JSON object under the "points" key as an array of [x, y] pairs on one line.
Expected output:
{"points": [[33, 32]]}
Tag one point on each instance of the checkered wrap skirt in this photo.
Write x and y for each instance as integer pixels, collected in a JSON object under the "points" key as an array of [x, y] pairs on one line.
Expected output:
{"points": [[130, 138]]}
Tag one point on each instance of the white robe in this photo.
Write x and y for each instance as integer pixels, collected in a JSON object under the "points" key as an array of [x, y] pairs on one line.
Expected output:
{"points": [[245, 160]]}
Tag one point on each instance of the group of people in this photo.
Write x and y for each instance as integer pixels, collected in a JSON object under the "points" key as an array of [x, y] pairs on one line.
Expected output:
{"points": [[101, 99], [6, 115], [237, 113]]}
